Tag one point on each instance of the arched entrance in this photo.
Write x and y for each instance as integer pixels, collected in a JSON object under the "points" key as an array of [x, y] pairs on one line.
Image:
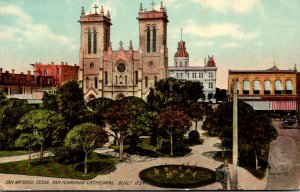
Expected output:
{"points": [[91, 97], [119, 96]]}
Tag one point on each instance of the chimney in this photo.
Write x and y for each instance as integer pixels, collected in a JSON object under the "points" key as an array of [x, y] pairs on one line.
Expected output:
{"points": [[29, 72], [39, 63], [1, 70], [66, 63], [62, 63], [36, 63], [13, 71], [75, 65], [52, 63]]}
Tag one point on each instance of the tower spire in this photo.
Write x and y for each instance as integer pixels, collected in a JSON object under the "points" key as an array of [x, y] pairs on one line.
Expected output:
{"points": [[101, 11], [181, 34], [108, 14], [82, 11], [141, 7]]}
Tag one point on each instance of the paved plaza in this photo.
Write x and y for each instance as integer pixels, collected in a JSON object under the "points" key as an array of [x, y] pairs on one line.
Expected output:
{"points": [[126, 176]]}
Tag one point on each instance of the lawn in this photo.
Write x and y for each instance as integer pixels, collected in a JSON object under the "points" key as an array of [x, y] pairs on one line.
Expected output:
{"points": [[97, 164], [145, 149], [12, 153]]}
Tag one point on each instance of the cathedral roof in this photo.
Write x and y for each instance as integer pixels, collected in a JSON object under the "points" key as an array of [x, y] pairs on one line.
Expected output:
{"points": [[181, 50]]}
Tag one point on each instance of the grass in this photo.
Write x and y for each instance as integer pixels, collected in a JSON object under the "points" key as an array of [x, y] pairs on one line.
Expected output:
{"points": [[12, 153], [178, 176], [145, 149], [97, 164]]}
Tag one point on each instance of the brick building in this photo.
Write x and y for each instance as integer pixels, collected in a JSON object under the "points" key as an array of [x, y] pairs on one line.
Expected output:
{"points": [[20, 83], [118, 73], [60, 73], [268, 90]]}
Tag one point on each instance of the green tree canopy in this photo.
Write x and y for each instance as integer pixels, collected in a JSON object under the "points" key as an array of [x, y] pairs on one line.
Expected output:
{"points": [[11, 111], [86, 136], [48, 125]]}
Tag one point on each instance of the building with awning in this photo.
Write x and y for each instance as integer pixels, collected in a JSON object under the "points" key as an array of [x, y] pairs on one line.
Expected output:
{"points": [[266, 90]]}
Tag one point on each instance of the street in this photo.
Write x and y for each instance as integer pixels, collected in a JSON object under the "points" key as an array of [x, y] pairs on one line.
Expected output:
{"points": [[284, 160]]}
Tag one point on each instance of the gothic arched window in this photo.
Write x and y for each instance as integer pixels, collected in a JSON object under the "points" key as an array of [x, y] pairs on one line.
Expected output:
{"points": [[89, 42], [96, 82], [105, 77], [154, 40], [148, 39], [95, 41], [87, 82], [136, 77], [146, 81]]}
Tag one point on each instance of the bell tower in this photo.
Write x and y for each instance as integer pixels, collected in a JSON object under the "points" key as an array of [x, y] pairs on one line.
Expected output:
{"points": [[95, 39], [153, 45]]}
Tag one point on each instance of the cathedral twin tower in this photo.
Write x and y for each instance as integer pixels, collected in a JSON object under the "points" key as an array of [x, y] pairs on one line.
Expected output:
{"points": [[113, 74]]}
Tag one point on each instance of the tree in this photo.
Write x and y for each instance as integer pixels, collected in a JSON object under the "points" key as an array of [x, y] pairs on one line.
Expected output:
{"points": [[50, 102], [97, 107], [196, 112], [11, 111], [221, 95], [127, 116], [174, 121], [46, 125], [192, 92], [28, 141], [254, 130], [70, 103], [86, 136]]}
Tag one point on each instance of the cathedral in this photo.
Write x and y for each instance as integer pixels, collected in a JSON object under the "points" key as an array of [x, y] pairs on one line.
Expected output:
{"points": [[115, 74]]}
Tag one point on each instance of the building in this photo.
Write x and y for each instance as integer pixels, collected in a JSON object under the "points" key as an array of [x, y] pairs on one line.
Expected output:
{"points": [[115, 74], [57, 73], [267, 90], [205, 74], [12, 83]]}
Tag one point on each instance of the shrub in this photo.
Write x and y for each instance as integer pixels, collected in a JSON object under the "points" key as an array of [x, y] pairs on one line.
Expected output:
{"points": [[179, 148], [67, 156], [194, 137]]}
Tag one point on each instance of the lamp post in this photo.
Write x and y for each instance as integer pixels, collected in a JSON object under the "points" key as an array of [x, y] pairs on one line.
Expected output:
{"points": [[235, 137]]}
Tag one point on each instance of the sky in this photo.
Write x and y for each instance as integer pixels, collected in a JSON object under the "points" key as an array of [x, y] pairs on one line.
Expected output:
{"points": [[240, 34]]}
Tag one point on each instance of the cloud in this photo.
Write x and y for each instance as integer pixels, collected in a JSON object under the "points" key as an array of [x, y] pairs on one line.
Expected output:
{"points": [[238, 6], [231, 30], [230, 45], [26, 30]]}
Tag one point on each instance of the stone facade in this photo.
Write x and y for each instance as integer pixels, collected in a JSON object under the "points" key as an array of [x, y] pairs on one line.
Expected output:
{"points": [[206, 74], [113, 74], [61, 73], [271, 89]]}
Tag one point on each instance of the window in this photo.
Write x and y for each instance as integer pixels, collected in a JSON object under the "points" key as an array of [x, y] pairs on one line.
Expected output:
{"points": [[246, 88], [151, 64], [58, 71], [180, 64], [105, 77], [87, 82], [125, 80], [278, 87], [256, 85], [148, 39], [136, 77], [288, 87], [177, 75], [95, 41], [116, 80], [89, 42], [267, 90], [146, 81], [121, 67], [92, 65], [45, 72], [96, 82], [200, 75], [188, 75], [154, 40]]}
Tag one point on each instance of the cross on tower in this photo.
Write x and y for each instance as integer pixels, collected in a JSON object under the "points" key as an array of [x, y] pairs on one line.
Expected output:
{"points": [[96, 7], [153, 5]]}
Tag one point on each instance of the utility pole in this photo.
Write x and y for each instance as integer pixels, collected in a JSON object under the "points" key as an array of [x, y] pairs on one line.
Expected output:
{"points": [[235, 137]]}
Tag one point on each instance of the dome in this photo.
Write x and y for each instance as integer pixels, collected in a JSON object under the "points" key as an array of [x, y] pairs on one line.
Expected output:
{"points": [[181, 50]]}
